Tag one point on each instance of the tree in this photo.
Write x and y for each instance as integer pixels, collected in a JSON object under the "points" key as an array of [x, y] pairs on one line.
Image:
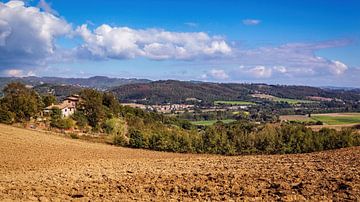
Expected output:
{"points": [[91, 105], [110, 102], [48, 100], [55, 117], [23, 102], [6, 116], [80, 118]]}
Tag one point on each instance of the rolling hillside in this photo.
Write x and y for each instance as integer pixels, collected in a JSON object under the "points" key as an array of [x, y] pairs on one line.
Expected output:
{"points": [[178, 91]]}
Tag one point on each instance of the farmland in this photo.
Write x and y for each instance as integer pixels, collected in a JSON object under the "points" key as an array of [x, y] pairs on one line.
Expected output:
{"points": [[211, 122], [219, 102], [278, 99], [326, 119], [36, 166], [290, 101], [338, 118]]}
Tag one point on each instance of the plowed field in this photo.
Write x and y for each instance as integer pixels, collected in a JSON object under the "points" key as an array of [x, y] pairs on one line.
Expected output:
{"points": [[35, 166]]}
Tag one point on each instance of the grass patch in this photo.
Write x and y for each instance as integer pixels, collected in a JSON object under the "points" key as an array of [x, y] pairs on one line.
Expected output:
{"points": [[278, 99], [211, 122], [337, 120], [291, 101], [234, 102]]}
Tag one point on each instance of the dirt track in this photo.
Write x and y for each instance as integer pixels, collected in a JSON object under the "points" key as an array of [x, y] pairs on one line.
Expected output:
{"points": [[37, 166]]}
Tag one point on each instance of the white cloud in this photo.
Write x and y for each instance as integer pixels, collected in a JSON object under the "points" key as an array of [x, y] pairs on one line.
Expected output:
{"points": [[292, 60], [338, 67], [124, 43], [215, 74], [18, 73], [27, 35], [218, 74], [280, 69], [260, 72], [251, 22]]}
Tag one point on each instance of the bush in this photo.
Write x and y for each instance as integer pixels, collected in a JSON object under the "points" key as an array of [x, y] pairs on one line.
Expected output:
{"points": [[138, 140], [6, 116], [80, 119], [65, 123], [120, 140], [118, 128]]}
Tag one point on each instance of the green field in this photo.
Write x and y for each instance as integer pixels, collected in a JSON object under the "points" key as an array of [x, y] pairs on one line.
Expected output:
{"points": [[338, 120], [211, 122], [234, 102], [290, 101]]}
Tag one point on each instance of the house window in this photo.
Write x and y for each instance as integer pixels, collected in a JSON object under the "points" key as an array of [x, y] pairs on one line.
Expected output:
{"points": [[65, 110]]}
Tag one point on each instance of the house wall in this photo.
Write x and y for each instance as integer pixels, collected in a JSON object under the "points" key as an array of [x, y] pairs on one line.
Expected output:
{"points": [[66, 112]]}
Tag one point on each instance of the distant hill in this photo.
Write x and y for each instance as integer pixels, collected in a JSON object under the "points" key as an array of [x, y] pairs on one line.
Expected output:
{"points": [[174, 91], [98, 82], [177, 91]]}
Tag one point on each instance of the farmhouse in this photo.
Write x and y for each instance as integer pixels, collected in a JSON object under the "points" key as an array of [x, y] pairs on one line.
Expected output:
{"points": [[67, 107]]}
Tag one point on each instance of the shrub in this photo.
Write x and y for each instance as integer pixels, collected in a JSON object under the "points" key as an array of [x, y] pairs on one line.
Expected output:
{"points": [[6, 116], [80, 119], [138, 140], [120, 140], [65, 123], [118, 128]]}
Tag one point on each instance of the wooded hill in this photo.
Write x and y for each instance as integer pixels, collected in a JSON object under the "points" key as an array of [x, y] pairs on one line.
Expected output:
{"points": [[177, 91]]}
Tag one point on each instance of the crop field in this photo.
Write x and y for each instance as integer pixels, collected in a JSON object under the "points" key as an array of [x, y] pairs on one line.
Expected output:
{"points": [[35, 166], [331, 120], [337, 118], [291, 101], [296, 118], [234, 102], [211, 122], [277, 99]]}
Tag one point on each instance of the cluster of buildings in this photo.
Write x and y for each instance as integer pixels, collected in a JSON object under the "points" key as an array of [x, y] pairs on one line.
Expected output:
{"points": [[165, 108], [168, 108]]}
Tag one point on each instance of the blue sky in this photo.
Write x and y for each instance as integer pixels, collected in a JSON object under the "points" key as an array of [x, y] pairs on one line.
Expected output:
{"points": [[282, 42]]}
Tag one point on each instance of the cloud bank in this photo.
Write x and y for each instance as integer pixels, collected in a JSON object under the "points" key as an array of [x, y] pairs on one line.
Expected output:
{"points": [[157, 44], [27, 35]]}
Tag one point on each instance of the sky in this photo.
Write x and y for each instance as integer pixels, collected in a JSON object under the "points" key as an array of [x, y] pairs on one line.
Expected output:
{"points": [[303, 42]]}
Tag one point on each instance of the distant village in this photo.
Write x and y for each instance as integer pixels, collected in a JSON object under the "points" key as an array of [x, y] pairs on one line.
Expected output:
{"points": [[182, 108], [68, 107]]}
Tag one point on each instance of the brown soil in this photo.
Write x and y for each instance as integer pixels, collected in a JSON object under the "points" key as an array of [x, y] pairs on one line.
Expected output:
{"points": [[40, 167], [295, 118], [336, 127]]}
